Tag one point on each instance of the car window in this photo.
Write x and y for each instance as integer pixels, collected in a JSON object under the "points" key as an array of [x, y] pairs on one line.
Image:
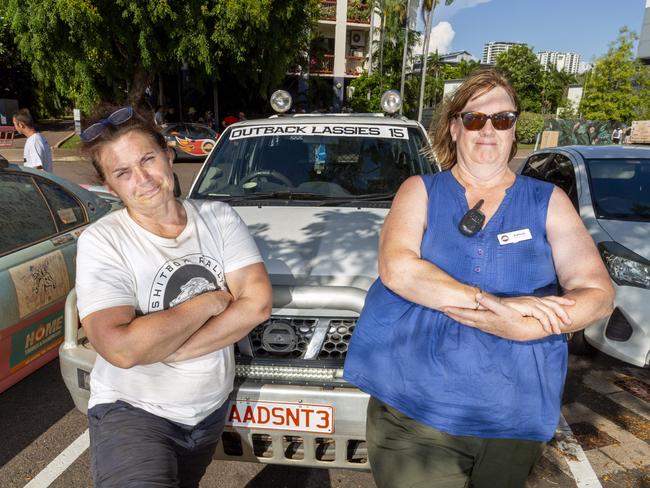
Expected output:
{"points": [[620, 188], [67, 211], [199, 132], [25, 216], [311, 159], [175, 129], [554, 168]]}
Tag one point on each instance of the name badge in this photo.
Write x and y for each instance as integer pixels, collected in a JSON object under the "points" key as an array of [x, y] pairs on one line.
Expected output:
{"points": [[514, 236]]}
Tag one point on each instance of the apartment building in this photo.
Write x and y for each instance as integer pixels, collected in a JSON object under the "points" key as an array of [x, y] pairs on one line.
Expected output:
{"points": [[643, 52], [569, 62], [492, 49], [342, 49]]}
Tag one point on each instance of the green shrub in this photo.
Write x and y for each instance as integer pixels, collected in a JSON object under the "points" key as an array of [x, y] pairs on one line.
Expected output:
{"points": [[529, 125]]}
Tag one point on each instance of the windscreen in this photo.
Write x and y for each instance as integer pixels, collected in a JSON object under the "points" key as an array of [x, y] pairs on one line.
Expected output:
{"points": [[313, 159], [620, 188]]}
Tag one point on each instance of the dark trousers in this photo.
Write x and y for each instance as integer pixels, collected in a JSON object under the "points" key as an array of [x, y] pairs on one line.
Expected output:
{"points": [[133, 448], [407, 454]]}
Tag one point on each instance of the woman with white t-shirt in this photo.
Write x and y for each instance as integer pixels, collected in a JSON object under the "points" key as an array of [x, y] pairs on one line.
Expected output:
{"points": [[165, 288]]}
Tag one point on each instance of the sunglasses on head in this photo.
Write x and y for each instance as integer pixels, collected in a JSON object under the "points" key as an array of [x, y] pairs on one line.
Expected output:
{"points": [[500, 120], [118, 117]]}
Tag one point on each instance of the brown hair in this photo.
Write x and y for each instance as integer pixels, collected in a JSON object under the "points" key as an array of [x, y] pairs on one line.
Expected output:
{"points": [[24, 117], [481, 81], [141, 121]]}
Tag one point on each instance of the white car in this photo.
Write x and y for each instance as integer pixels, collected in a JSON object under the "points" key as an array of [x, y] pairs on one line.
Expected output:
{"points": [[610, 188], [314, 191]]}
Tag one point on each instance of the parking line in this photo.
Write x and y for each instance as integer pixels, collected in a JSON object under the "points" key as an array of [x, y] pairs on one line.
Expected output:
{"points": [[53, 470], [580, 467]]}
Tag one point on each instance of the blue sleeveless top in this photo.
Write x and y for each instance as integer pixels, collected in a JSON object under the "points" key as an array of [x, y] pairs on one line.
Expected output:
{"points": [[455, 378]]}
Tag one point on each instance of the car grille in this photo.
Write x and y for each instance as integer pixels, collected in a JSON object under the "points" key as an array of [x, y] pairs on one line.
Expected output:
{"points": [[298, 338]]}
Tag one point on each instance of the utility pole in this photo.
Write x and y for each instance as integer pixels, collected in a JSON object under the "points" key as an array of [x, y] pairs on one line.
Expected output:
{"points": [[425, 55], [405, 53]]}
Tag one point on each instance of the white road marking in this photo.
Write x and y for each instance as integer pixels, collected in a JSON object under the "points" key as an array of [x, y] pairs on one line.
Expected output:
{"points": [[53, 470], [580, 467]]}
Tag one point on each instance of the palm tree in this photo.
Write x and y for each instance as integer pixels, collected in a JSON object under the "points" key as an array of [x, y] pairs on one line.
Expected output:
{"points": [[428, 6]]}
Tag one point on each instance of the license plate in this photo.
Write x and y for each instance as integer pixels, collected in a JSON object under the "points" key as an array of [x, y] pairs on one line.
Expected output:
{"points": [[281, 416]]}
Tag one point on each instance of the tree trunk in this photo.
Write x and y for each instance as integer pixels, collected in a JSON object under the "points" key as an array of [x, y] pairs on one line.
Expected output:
{"points": [[142, 78]]}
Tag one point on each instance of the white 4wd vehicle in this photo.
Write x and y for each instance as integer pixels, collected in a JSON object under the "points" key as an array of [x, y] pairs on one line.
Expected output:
{"points": [[314, 191]]}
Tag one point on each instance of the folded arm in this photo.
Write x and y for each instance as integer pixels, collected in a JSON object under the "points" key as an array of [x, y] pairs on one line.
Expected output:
{"points": [[252, 300], [402, 269], [125, 340], [588, 297]]}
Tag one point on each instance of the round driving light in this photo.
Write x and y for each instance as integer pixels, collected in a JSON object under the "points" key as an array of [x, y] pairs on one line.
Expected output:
{"points": [[281, 101], [391, 101]]}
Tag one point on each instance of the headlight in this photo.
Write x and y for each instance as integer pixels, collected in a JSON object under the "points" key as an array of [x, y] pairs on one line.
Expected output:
{"points": [[391, 101], [624, 266], [281, 101]]}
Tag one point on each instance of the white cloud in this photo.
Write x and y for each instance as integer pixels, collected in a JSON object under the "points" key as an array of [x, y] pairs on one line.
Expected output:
{"points": [[441, 37]]}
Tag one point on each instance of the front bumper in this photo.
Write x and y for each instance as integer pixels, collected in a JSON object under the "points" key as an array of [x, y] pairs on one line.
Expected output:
{"points": [[632, 312], [341, 445]]}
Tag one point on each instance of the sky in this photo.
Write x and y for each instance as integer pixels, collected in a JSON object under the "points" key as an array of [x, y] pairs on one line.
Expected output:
{"points": [[585, 27]]}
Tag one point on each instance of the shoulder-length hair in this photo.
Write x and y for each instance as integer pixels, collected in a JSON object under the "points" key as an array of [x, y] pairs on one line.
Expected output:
{"points": [[479, 82]]}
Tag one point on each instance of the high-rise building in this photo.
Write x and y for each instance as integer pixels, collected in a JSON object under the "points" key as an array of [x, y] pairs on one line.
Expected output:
{"points": [[569, 62], [643, 52], [345, 38], [492, 49]]}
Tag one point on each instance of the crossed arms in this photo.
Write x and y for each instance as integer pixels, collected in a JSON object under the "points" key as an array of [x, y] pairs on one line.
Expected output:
{"points": [[588, 290], [200, 325]]}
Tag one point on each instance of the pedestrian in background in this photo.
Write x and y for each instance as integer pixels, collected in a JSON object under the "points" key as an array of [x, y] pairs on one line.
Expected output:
{"points": [[159, 116], [461, 340], [617, 133], [165, 288], [37, 152]]}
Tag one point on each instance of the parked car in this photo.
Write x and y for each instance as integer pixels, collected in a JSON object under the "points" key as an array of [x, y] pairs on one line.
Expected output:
{"points": [[610, 188], [190, 141], [314, 191], [41, 218]]}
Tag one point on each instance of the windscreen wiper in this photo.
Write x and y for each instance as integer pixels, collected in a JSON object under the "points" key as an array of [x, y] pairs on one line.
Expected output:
{"points": [[368, 197], [276, 195]]}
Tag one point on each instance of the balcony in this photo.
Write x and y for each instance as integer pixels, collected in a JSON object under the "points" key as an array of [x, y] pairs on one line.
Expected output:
{"points": [[354, 65], [359, 11], [327, 10], [324, 66]]}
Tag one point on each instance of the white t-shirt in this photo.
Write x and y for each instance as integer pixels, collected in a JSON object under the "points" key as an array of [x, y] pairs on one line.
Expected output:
{"points": [[37, 152], [120, 263]]}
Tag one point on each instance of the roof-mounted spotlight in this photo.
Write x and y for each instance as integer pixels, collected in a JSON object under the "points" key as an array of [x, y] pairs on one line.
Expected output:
{"points": [[281, 101], [391, 101]]}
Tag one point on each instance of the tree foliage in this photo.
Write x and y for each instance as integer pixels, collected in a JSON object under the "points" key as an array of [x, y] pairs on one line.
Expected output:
{"points": [[528, 126], [523, 69], [94, 50], [618, 87]]}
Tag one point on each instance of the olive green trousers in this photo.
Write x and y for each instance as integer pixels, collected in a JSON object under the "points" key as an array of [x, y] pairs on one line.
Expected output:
{"points": [[405, 453]]}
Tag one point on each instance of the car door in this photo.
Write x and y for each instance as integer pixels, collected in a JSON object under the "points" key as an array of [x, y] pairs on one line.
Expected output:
{"points": [[555, 168], [40, 222]]}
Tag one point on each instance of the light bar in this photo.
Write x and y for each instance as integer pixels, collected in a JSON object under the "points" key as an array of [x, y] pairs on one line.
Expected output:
{"points": [[287, 373]]}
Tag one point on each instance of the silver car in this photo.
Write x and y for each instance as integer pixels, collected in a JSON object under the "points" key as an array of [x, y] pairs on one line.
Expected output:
{"points": [[610, 188], [314, 191]]}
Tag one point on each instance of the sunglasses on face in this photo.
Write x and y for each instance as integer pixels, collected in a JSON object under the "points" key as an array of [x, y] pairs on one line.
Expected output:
{"points": [[118, 117], [500, 120]]}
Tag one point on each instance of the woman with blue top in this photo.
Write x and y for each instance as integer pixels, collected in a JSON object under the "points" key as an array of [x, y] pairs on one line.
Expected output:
{"points": [[460, 343]]}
